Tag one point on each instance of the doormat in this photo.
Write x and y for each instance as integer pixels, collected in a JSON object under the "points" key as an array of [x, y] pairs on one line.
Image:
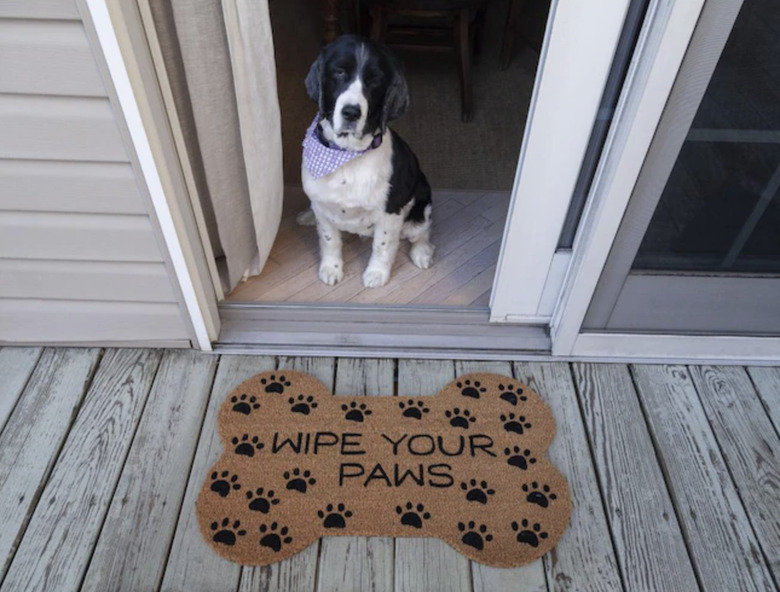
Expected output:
{"points": [[468, 466]]}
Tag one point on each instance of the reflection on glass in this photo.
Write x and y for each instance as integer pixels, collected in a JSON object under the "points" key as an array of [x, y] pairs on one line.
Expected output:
{"points": [[720, 210]]}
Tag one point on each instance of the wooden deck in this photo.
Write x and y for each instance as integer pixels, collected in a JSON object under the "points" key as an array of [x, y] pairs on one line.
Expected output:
{"points": [[674, 471]]}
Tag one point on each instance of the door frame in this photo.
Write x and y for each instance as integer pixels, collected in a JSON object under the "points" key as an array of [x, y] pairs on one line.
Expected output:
{"points": [[668, 31]]}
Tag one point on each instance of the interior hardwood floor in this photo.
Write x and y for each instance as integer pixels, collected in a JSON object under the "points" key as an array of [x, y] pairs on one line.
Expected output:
{"points": [[467, 231]]}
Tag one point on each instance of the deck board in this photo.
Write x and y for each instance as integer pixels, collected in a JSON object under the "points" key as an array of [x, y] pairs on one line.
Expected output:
{"points": [[673, 473], [62, 532]]}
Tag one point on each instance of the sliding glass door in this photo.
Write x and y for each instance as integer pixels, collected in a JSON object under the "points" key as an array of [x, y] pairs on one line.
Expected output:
{"points": [[698, 250]]}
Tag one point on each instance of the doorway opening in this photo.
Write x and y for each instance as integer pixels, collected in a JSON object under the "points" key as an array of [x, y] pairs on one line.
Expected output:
{"points": [[470, 166]]}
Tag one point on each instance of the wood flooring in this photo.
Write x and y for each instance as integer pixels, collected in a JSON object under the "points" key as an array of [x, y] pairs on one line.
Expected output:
{"points": [[674, 474], [467, 232]]}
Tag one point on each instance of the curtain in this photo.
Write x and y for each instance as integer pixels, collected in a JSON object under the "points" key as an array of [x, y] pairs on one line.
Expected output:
{"points": [[219, 58]]}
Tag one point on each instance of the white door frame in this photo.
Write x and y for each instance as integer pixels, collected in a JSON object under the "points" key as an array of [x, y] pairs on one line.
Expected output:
{"points": [[662, 46], [579, 46]]}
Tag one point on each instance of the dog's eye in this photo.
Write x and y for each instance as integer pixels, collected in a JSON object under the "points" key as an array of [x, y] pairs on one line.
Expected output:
{"points": [[340, 73]]}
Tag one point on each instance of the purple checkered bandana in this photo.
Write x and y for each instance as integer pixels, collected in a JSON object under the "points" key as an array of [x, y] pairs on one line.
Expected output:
{"points": [[322, 160]]}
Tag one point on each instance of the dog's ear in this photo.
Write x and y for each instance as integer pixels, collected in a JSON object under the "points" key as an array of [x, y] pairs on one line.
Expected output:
{"points": [[397, 94], [314, 80]]}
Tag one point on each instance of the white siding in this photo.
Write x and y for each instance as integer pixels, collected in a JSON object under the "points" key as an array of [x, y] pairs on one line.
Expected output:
{"points": [[80, 257]]}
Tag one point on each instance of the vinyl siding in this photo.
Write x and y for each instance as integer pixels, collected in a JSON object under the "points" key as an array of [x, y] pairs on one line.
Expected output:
{"points": [[81, 260]]}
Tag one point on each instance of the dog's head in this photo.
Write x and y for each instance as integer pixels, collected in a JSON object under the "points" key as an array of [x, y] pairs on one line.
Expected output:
{"points": [[359, 86]]}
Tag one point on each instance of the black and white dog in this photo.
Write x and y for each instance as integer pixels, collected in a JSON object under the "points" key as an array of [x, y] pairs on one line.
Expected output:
{"points": [[360, 176]]}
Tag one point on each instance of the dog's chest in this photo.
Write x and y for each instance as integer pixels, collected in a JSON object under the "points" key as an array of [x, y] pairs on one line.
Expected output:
{"points": [[353, 196]]}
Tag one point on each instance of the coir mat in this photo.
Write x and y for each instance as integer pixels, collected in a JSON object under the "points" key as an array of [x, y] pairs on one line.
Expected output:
{"points": [[467, 465]]}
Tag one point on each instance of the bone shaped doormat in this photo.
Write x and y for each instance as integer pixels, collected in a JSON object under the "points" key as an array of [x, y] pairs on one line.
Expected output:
{"points": [[468, 466]]}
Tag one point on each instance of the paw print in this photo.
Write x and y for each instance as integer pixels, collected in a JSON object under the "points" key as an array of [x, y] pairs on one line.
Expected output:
{"points": [[477, 491], [297, 481], [225, 532], [274, 537], [540, 496], [244, 404], [223, 483], [516, 424], [334, 516], [529, 536], [302, 404], [475, 536], [518, 458], [355, 412], [411, 515], [245, 446], [460, 419], [274, 384], [510, 395], [412, 409], [261, 501], [471, 390]]}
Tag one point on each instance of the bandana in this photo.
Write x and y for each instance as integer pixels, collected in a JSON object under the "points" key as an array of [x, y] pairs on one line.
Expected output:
{"points": [[322, 159]]}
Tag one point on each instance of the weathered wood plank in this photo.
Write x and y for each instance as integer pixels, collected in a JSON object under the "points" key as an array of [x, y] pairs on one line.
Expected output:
{"points": [[43, 9], [16, 366], [133, 544], [58, 542], [584, 558], [427, 564], [767, 381], [299, 572], [750, 447], [358, 563], [35, 431], [529, 577], [648, 540], [721, 542], [192, 565]]}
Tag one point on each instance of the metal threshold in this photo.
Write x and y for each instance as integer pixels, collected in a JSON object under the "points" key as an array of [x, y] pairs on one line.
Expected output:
{"points": [[375, 330]]}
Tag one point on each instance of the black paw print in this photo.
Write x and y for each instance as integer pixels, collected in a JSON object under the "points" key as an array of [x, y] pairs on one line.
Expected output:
{"points": [[334, 516], [297, 481], [516, 424], [261, 501], [223, 483], [412, 409], [302, 404], [475, 536], [244, 404], [246, 446], [510, 395], [540, 496], [274, 384], [225, 533], [471, 390], [411, 515], [460, 419], [529, 536], [355, 412], [274, 537], [477, 491], [519, 458]]}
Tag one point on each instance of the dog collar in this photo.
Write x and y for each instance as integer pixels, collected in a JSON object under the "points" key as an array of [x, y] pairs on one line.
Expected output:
{"points": [[323, 158]]}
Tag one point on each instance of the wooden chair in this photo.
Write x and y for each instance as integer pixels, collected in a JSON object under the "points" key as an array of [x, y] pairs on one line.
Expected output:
{"points": [[433, 24]]}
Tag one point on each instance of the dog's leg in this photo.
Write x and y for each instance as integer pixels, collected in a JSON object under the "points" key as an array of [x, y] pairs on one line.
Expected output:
{"points": [[421, 252], [331, 263], [387, 235], [306, 218]]}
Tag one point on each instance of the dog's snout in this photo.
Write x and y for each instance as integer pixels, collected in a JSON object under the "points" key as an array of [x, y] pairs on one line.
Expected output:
{"points": [[351, 112]]}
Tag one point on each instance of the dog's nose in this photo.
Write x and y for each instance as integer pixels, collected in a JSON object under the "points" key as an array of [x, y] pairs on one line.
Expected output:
{"points": [[351, 112]]}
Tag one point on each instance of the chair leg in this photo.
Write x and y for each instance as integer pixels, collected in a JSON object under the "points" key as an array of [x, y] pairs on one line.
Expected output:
{"points": [[464, 50], [378, 24], [515, 6]]}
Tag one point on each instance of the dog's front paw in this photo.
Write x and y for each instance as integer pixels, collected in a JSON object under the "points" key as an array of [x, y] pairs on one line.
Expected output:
{"points": [[422, 254], [374, 277], [331, 272]]}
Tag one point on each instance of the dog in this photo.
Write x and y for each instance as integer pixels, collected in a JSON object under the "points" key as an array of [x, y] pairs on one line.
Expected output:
{"points": [[359, 175]]}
